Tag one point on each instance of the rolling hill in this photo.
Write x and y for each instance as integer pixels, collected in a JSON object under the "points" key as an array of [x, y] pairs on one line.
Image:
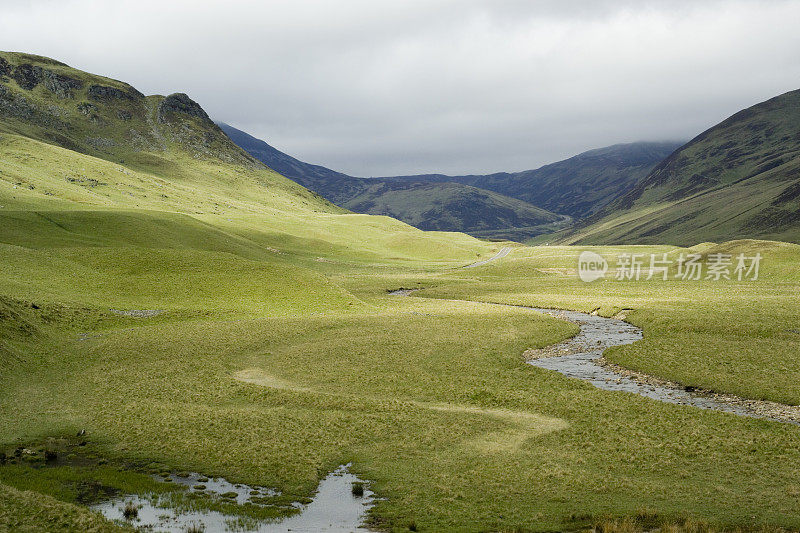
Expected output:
{"points": [[91, 161], [738, 179], [444, 206], [424, 204], [57, 112]]}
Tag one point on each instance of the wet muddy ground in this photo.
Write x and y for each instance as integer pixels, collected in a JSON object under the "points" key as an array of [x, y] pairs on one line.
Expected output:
{"points": [[335, 507]]}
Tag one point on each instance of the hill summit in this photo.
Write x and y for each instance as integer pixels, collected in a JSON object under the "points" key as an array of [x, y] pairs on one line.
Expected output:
{"points": [[166, 137], [49, 101]]}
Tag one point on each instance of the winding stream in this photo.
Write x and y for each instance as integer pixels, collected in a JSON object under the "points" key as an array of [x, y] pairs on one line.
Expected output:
{"points": [[335, 508], [582, 358]]}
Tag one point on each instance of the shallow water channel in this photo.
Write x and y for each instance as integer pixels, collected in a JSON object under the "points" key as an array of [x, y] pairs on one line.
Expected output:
{"points": [[334, 508], [582, 354]]}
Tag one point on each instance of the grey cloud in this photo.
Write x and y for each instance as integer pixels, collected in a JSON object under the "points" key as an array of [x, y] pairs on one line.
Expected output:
{"points": [[378, 88]]}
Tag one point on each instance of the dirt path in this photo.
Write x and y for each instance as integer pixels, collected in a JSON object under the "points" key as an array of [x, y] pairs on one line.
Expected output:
{"points": [[522, 424], [502, 253]]}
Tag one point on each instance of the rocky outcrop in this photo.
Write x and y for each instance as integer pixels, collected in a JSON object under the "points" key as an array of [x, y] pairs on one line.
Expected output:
{"points": [[106, 93], [5, 68], [87, 108], [180, 103], [28, 76], [15, 105], [59, 85]]}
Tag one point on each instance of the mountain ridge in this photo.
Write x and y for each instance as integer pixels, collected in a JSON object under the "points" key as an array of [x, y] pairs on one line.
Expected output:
{"points": [[451, 207], [561, 186], [738, 179], [502, 199]]}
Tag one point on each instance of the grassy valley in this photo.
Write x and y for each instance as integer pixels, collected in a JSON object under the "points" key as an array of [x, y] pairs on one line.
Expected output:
{"points": [[170, 304], [577, 187], [517, 206]]}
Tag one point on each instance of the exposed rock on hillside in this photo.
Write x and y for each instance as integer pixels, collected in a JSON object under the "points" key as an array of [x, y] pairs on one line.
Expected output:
{"points": [[27, 76], [102, 92], [61, 86], [180, 103]]}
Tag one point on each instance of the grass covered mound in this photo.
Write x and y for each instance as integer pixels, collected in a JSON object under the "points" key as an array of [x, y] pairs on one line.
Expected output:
{"points": [[28, 511]]}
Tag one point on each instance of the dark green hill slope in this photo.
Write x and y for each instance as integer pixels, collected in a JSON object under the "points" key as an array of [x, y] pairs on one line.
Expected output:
{"points": [[442, 206], [739, 179], [335, 186], [509, 205]]}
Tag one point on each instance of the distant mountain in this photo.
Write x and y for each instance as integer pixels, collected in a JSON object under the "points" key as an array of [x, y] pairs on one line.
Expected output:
{"points": [[449, 206], [578, 186], [739, 179], [517, 205], [426, 205]]}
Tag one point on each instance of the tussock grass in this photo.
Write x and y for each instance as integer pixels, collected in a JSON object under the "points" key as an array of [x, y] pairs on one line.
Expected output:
{"points": [[643, 522], [131, 511]]}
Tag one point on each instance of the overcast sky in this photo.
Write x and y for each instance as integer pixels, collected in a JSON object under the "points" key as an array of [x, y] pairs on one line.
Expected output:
{"points": [[378, 87]]}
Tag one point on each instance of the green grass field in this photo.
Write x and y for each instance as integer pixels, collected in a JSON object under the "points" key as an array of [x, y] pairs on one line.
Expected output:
{"points": [[273, 369]]}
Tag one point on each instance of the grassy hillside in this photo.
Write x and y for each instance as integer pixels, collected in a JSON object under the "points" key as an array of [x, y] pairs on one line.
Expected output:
{"points": [[578, 186], [425, 205], [148, 138], [70, 140], [144, 199], [739, 179]]}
